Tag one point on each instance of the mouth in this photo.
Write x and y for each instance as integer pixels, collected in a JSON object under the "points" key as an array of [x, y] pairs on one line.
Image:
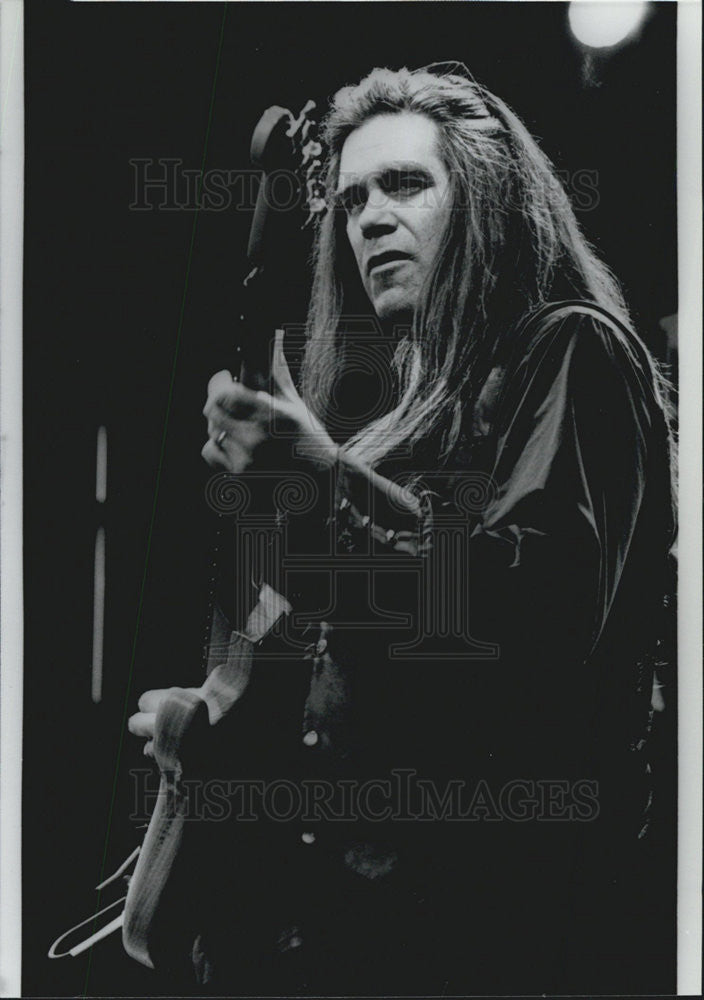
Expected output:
{"points": [[387, 257]]}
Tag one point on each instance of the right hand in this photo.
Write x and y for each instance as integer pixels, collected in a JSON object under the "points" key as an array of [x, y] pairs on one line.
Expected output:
{"points": [[247, 428]]}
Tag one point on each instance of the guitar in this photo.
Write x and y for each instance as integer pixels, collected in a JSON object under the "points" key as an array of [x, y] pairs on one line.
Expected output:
{"points": [[160, 918]]}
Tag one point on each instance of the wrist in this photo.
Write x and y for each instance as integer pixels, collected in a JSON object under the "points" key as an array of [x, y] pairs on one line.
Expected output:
{"points": [[324, 456]]}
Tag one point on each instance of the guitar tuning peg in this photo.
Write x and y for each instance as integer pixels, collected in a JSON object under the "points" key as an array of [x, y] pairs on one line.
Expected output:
{"points": [[316, 207], [311, 149], [312, 170], [296, 123], [315, 189], [310, 130]]}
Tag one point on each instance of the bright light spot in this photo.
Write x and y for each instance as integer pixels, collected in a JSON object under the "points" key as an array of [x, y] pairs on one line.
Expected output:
{"points": [[602, 23]]}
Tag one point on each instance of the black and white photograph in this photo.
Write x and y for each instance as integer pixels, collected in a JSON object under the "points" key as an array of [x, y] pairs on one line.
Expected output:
{"points": [[346, 653]]}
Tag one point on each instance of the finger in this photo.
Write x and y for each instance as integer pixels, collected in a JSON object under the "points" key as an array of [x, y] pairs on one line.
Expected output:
{"points": [[229, 455], [280, 372], [235, 401], [247, 433], [148, 749], [142, 724], [150, 700], [220, 380], [213, 455]]}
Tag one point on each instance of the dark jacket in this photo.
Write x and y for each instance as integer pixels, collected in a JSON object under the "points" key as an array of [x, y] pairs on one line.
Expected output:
{"points": [[478, 674]]}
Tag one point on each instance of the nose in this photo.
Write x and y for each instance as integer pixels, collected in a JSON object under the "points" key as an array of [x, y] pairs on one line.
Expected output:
{"points": [[377, 216]]}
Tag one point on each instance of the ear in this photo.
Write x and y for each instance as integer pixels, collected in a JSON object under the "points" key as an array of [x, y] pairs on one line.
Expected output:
{"points": [[282, 382]]}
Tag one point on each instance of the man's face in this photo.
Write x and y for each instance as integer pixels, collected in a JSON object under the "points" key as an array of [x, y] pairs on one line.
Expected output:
{"points": [[395, 191]]}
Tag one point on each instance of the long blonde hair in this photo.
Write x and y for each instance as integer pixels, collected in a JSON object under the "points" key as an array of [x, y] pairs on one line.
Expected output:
{"points": [[512, 243]]}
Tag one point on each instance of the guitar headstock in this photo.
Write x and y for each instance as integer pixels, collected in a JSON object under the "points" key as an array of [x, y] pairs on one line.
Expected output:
{"points": [[286, 143], [288, 151], [304, 133]]}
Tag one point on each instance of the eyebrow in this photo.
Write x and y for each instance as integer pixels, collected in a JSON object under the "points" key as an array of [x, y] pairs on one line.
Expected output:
{"points": [[393, 166]]}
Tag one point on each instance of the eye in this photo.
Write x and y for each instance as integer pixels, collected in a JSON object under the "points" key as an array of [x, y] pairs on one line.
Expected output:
{"points": [[403, 183], [352, 199]]}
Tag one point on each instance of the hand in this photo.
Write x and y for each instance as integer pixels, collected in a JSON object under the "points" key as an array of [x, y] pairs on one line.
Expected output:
{"points": [[245, 426], [142, 722]]}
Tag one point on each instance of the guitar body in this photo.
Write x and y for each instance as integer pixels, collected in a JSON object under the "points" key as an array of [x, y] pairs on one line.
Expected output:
{"points": [[181, 727], [165, 899]]}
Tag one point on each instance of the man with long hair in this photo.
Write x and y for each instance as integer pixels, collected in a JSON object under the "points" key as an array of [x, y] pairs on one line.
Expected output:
{"points": [[505, 487]]}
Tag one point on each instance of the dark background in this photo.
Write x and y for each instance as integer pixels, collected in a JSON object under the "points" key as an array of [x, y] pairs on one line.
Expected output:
{"points": [[113, 311]]}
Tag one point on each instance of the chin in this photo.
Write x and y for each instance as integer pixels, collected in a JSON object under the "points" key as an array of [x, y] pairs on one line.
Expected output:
{"points": [[394, 306]]}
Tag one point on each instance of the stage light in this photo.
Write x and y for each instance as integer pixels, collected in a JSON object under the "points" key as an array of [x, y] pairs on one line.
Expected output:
{"points": [[602, 24]]}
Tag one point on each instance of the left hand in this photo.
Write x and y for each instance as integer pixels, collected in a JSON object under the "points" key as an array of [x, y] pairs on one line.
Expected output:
{"points": [[143, 721], [262, 428]]}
